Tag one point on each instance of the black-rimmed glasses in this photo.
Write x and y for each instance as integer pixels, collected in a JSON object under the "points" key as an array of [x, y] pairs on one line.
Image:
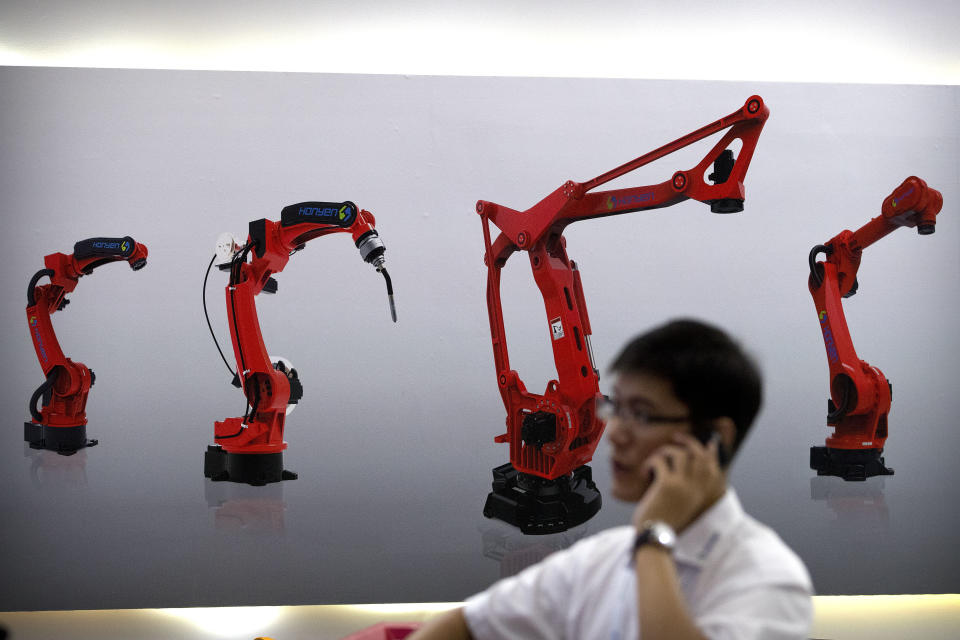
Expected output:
{"points": [[608, 408]]}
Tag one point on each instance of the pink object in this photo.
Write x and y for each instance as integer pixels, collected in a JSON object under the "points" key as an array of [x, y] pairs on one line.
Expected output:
{"points": [[385, 631]]}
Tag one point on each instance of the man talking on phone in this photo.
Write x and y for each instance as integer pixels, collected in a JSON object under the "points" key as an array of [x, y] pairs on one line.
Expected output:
{"points": [[691, 564]]}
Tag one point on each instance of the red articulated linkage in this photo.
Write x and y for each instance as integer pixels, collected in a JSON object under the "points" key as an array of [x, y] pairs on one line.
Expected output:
{"points": [[60, 424], [860, 393], [249, 448], [546, 486]]}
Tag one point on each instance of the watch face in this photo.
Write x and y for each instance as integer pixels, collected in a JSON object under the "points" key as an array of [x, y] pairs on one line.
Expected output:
{"points": [[664, 537], [657, 533]]}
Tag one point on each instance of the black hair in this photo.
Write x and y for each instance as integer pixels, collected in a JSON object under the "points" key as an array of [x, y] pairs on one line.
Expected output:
{"points": [[709, 371]]}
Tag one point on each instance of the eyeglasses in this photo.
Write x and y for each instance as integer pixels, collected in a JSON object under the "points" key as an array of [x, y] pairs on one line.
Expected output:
{"points": [[608, 408]]}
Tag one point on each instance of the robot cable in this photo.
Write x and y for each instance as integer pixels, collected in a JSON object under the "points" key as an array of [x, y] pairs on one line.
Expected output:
{"points": [[210, 326]]}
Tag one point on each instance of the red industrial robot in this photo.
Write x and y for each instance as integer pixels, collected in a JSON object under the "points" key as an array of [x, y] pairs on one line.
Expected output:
{"points": [[250, 448], [860, 394], [547, 486], [60, 424]]}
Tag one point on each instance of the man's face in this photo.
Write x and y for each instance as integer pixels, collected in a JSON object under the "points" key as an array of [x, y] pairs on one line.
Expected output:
{"points": [[633, 440]]}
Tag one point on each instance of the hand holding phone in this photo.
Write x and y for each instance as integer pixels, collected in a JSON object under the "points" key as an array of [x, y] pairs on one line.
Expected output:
{"points": [[708, 438], [683, 481]]}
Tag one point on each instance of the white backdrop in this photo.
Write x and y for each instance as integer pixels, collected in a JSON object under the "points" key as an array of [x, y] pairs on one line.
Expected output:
{"points": [[394, 437]]}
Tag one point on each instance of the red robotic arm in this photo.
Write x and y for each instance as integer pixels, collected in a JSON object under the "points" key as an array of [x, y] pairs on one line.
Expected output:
{"points": [[546, 486], [60, 424], [249, 448], [860, 393]]}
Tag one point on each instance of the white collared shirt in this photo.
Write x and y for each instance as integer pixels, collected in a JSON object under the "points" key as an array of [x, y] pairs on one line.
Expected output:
{"points": [[739, 581]]}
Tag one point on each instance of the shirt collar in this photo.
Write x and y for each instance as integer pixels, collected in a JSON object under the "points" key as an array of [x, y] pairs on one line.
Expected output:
{"points": [[700, 538]]}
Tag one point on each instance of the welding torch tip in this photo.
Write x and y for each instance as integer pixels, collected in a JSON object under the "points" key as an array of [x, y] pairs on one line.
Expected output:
{"points": [[386, 276]]}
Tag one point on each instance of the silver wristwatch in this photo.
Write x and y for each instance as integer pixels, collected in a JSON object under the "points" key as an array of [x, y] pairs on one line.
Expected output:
{"points": [[656, 533]]}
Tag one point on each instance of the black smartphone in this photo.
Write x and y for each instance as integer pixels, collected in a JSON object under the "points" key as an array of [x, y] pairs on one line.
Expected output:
{"points": [[705, 436]]}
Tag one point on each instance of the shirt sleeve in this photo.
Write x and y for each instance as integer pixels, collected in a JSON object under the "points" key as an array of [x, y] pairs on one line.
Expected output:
{"points": [[531, 605]]}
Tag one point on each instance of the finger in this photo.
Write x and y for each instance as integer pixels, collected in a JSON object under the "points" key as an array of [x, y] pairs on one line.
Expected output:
{"points": [[656, 468], [677, 457], [704, 451], [709, 470]]}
